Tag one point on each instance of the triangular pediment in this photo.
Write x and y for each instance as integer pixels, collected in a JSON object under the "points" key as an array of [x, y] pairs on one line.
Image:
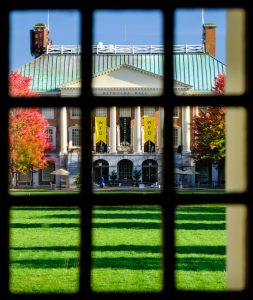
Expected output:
{"points": [[126, 76]]}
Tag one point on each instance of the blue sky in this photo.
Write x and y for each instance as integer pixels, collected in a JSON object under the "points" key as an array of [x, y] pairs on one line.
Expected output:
{"points": [[64, 30], [112, 27]]}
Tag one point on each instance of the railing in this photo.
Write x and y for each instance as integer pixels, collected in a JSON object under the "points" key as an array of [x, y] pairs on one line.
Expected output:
{"points": [[127, 49], [61, 49], [124, 49], [189, 49]]}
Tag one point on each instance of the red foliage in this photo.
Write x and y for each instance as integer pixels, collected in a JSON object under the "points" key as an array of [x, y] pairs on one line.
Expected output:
{"points": [[28, 139], [19, 86], [219, 86], [208, 129]]}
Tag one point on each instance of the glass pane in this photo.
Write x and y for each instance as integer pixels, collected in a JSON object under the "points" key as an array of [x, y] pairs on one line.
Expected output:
{"points": [[127, 149], [209, 51], [201, 240], [44, 250], [128, 56], [45, 150], [52, 65], [199, 137], [126, 249], [211, 247], [210, 149], [199, 56]]}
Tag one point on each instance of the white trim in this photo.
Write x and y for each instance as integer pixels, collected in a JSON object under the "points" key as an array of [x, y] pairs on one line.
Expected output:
{"points": [[127, 92]]}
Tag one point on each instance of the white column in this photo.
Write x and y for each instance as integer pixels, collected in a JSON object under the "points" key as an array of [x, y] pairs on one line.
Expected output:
{"points": [[63, 131], [186, 129], [113, 125], [161, 128], [138, 129]]}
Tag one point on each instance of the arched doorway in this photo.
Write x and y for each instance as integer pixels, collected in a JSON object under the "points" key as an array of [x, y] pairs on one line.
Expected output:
{"points": [[149, 171], [100, 168], [125, 171]]}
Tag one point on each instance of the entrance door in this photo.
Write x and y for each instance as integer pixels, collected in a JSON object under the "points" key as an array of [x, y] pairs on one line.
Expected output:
{"points": [[100, 169], [125, 171], [149, 171]]}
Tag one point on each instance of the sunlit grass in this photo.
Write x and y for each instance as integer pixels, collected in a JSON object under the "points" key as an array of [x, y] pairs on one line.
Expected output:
{"points": [[126, 249], [201, 247], [127, 252], [44, 250]]}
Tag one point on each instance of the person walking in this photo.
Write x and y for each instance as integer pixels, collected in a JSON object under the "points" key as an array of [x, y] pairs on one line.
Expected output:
{"points": [[102, 182]]}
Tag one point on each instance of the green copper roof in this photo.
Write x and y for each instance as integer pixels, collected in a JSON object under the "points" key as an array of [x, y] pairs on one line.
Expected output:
{"points": [[197, 70], [48, 72]]}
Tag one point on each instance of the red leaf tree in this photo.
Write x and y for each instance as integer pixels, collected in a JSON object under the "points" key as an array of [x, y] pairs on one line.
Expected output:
{"points": [[27, 130], [19, 86], [219, 84], [208, 129], [27, 140]]}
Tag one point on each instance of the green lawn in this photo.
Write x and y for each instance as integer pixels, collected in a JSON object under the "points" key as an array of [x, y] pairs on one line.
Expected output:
{"points": [[200, 191], [29, 192], [201, 247], [127, 191], [126, 251], [44, 250]]}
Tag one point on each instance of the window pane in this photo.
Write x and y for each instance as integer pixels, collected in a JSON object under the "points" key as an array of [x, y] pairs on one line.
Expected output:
{"points": [[210, 149], [200, 149], [48, 113], [199, 50], [127, 58], [44, 250], [45, 61], [128, 149], [211, 247], [76, 140], [209, 57], [126, 249], [75, 112], [201, 243], [44, 152]]}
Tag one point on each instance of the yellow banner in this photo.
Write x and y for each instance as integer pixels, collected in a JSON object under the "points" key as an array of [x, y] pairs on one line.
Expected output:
{"points": [[149, 129], [100, 127]]}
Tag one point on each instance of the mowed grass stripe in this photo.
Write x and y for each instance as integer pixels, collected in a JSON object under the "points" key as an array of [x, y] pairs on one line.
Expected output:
{"points": [[44, 250], [127, 250], [201, 248]]}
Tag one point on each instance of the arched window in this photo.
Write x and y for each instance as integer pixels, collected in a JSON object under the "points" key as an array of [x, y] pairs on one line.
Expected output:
{"points": [[125, 169]]}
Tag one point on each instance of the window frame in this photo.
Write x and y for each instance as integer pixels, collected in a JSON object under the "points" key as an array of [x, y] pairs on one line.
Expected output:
{"points": [[71, 128], [72, 109], [53, 128], [48, 113], [168, 200]]}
